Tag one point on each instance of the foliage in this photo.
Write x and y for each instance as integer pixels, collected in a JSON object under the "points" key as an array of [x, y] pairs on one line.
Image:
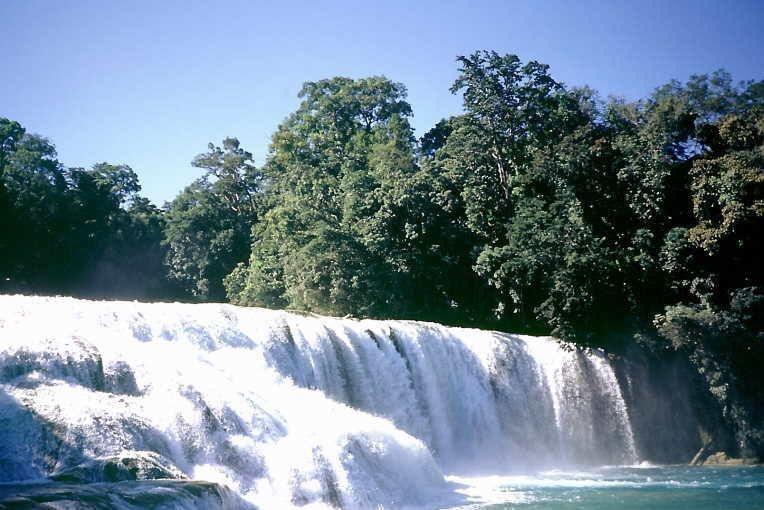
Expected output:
{"points": [[208, 223], [540, 209], [727, 346], [346, 231], [77, 231]]}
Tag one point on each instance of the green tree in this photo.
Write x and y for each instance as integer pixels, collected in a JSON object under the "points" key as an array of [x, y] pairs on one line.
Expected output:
{"points": [[115, 236], [33, 190], [338, 175], [515, 112], [208, 224], [713, 261], [83, 232]]}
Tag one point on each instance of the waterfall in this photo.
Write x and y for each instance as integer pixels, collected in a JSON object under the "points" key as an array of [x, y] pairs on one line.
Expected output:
{"points": [[290, 410]]}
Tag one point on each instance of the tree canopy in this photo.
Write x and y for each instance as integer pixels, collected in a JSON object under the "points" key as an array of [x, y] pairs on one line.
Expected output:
{"points": [[208, 224], [541, 208]]}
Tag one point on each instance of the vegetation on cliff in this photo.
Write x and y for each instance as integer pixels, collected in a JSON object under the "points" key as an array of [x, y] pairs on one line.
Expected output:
{"points": [[542, 208]]}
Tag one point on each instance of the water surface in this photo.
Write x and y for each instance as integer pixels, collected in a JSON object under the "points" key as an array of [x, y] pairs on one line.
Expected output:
{"points": [[637, 488]]}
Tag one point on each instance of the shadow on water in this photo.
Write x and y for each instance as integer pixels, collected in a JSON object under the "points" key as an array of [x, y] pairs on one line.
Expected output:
{"points": [[37, 436], [670, 406], [31, 446], [34, 447]]}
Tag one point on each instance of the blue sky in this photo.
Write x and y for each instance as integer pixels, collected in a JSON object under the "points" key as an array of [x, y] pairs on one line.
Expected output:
{"points": [[150, 83]]}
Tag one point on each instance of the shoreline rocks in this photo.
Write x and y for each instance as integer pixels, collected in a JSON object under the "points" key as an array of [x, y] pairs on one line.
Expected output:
{"points": [[722, 459]]}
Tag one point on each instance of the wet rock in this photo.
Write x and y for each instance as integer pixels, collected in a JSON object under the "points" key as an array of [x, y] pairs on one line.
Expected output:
{"points": [[129, 495], [129, 465], [71, 359], [120, 379]]}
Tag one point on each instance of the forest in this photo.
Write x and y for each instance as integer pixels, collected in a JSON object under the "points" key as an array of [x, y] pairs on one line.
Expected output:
{"points": [[541, 209]]}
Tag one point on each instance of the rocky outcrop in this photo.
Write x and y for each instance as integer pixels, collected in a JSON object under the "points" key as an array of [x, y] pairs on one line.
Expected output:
{"points": [[722, 459], [127, 466], [137, 495], [674, 416]]}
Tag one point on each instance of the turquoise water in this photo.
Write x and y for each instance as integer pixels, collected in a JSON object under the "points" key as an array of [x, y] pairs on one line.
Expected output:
{"points": [[656, 488]]}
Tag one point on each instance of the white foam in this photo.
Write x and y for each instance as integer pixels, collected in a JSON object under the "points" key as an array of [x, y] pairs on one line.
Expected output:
{"points": [[297, 411]]}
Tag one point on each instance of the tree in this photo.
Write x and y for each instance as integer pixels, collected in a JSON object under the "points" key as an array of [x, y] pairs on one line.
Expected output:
{"points": [[115, 236], [83, 232], [337, 174], [713, 262], [33, 200], [514, 113], [209, 223]]}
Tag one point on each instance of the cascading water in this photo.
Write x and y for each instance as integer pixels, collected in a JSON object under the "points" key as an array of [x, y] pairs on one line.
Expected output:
{"points": [[295, 411]]}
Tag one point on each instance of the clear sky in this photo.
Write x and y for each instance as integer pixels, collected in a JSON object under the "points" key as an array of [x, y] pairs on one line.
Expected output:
{"points": [[150, 83]]}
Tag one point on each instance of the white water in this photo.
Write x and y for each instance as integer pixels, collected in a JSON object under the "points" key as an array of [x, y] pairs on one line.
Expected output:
{"points": [[293, 411]]}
